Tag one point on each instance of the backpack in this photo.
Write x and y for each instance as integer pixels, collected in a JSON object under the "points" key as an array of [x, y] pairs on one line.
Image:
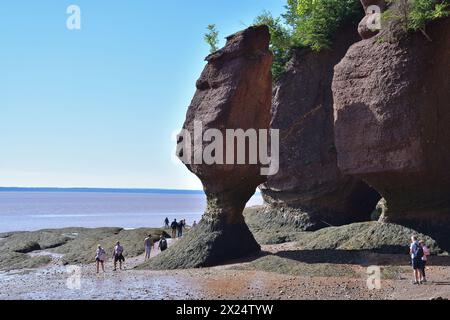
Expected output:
{"points": [[163, 244], [418, 253]]}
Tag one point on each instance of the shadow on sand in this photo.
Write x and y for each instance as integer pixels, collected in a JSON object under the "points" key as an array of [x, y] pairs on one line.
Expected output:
{"points": [[356, 257]]}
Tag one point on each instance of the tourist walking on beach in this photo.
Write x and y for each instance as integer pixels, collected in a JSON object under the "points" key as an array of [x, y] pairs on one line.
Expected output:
{"points": [[416, 252], [180, 227], [148, 244], [174, 226], [162, 245], [118, 256], [426, 253], [100, 258], [166, 223]]}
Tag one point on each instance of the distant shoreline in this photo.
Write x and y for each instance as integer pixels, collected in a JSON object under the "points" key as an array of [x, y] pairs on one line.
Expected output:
{"points": [[101, 190], [104, 190]]}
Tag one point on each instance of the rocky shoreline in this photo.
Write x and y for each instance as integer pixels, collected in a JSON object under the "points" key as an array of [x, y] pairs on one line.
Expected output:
{"points": [[33, 249], [330, 263], [281, 271], [19, 250]]}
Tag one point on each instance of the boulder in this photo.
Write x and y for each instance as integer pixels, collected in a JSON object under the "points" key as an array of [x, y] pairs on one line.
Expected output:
{"points": [[309, 183], [392, 115], [233, 92], [274, 225], [370, 236]]}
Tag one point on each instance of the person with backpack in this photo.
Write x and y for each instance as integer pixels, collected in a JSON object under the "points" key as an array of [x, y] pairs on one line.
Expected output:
{"points": [[118, 256], [416, 253], [426, 254], [174, 226], [100, 258], [162, 243]]}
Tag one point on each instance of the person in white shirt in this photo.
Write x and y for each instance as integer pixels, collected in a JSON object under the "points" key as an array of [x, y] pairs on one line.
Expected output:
{"points": [[426, 254], [100, 258]]}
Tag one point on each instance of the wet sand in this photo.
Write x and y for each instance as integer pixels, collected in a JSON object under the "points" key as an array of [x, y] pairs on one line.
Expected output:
{"points": [[232, 281]]}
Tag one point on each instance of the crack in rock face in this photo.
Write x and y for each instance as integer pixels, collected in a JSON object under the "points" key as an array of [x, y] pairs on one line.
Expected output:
{"points": [[234, 92]]}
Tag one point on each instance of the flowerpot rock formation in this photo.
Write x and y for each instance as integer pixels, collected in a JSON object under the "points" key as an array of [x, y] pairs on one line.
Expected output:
{"points": [[309, 182], [392, 115], [233, 92]]}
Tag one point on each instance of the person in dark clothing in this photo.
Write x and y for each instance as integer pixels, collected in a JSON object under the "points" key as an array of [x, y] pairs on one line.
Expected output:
{"points": [[166, 223], [180, 228], [416, 253], [118, 256], [162, 243], [174, 226]]}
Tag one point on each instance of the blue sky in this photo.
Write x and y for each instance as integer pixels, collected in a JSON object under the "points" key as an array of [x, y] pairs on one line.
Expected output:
{"points": [[97, 107]]}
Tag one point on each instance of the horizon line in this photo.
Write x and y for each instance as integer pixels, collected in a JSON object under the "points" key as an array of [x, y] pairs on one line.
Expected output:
{"points": [[106, 190], [99, 189]]}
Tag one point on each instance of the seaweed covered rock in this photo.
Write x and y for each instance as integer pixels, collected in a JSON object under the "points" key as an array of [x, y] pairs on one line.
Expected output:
{"points": [[234, 92], [391, 110], [34, 249], [274, 225], [366, 236], [309, 180]]}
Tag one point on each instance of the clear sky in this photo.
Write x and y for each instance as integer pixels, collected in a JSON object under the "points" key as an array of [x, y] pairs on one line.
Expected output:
{"points": [[97, 107]]}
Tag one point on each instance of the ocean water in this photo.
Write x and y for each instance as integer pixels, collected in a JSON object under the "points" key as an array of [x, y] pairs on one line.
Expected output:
{"points": [[27, 211]]}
